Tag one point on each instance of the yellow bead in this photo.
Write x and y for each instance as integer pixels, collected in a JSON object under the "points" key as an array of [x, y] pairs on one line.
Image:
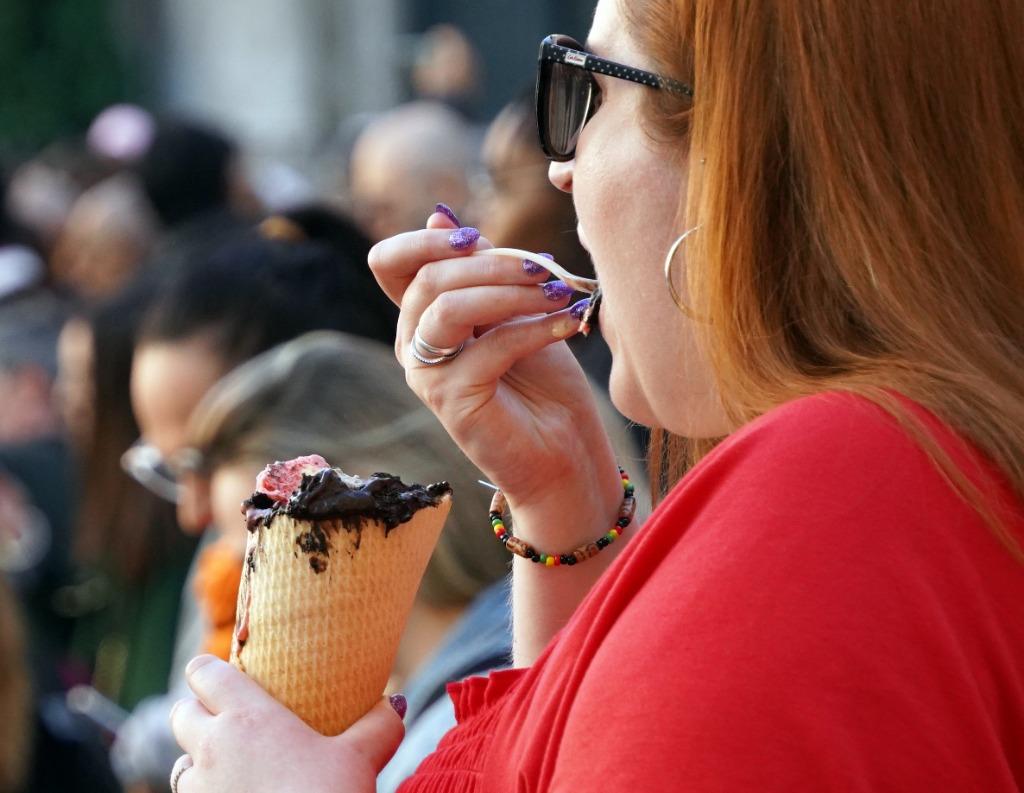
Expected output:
{"points": [[550, 562], [614, 533]]}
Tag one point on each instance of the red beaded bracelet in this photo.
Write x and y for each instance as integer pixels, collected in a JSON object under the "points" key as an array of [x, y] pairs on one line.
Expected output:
{"points": [[581, 554]]}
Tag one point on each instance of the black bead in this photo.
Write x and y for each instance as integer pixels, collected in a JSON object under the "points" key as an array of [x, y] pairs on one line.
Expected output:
{"points": [[535, 558], [622, 522], [505, 538], [572, 561], [602, 543]]}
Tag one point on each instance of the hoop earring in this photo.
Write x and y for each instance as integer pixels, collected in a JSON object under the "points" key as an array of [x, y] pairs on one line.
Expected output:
{"points": [[668, 271]]}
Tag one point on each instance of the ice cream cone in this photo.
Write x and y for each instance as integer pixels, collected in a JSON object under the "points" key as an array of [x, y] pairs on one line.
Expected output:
{"points": [[323, 605]]}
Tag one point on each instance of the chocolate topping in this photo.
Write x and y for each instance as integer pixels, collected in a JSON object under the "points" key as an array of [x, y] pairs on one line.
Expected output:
{"points": [[330, 495]]}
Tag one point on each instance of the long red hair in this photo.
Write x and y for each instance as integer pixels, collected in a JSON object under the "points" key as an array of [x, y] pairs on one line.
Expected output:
{"points": [[860, 203]]}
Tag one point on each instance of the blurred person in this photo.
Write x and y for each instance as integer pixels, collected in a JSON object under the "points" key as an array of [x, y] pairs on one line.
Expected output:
{"points": [[447, 68], [131, 559], [232, 299], [36, 478], [192, 177], [404, 162], [326, 225], [30, 318], [515, 205], [513, 202], [43, 189], [108, 234]]}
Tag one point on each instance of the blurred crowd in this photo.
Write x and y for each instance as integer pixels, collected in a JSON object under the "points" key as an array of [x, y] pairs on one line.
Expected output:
{"points": [[168, 325]]}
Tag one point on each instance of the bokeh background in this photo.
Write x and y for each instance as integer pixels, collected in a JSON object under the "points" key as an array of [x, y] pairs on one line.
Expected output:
{"points": [[284, 77]]}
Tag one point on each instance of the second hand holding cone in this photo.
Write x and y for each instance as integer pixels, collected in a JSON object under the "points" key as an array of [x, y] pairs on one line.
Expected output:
{"points": [[332, 566]]}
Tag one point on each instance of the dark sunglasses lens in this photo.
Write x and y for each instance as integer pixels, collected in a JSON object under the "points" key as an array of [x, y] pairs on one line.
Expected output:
{"points": [[567, 102]]}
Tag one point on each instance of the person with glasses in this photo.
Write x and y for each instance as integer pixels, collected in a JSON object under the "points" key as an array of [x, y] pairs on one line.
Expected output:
{"points": [[807, 221], [216, 305]]}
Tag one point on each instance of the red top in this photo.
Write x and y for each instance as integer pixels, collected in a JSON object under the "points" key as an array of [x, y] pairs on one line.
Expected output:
{"points": [[812, 609]]}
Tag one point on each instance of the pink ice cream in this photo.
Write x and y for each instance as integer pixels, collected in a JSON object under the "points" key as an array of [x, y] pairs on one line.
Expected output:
{"points": [[279, 480]]}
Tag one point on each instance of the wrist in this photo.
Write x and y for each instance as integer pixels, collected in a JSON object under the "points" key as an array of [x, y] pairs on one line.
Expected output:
{"points": [[567, 519]]}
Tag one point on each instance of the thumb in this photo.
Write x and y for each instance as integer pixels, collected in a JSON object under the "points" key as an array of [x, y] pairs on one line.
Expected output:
{"points": [[377, 735]]}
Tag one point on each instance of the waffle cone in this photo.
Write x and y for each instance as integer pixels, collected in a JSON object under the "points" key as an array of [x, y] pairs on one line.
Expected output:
{"points": [[323, 643]]}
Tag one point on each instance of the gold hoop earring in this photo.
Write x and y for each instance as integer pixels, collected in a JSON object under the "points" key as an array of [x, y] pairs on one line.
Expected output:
{"points": [[668, 270]]}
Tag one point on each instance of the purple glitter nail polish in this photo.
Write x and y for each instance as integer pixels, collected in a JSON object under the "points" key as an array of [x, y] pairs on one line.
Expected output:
{"points": [[399, 703], [463, 238], [580, 308], [557, 291], [532, 268], [444, 209]]}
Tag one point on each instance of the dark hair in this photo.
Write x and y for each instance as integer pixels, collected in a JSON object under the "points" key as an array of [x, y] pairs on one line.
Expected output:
{"points": [[249, 293], [185, 172], [121, 526]]}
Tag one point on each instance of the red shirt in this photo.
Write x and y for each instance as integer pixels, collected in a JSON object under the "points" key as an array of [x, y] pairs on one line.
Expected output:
{"points": [[812, 609]]}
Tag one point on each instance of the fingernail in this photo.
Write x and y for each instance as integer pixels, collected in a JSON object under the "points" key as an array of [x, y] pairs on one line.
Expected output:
{"points": [[399, 703], [444, 209], [580, 308], [532, 268], [463, 238], [557, 291], [198, 663], [565, 327]]}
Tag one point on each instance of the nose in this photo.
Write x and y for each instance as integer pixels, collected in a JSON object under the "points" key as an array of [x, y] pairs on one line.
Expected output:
{"points": [[195, 512], [560, 175]]}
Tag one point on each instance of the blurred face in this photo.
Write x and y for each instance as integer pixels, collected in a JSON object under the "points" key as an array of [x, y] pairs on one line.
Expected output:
{"points": [[517, 205], [229, 486], [390, 196], [168, 381], [627, 192]]}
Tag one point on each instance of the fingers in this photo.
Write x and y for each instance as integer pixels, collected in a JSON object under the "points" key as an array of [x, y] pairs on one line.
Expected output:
{"points": [[220, 685], [450, 318], [190, 721], [395, 261], [500, 349], [376, 736], [441, 220]]}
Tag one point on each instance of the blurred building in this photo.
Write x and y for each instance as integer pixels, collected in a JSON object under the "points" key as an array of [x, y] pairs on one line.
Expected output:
{"points": [[285, 75]]}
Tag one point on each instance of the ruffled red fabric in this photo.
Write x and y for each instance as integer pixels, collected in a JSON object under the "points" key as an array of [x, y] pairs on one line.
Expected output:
{"points": [[457, 764]]}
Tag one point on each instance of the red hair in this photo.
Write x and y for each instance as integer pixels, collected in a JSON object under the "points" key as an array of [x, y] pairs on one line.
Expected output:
{"points": [[861, 206]]}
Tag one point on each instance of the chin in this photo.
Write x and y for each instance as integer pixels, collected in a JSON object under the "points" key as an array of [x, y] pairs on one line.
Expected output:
{"points": [[628, 399]]}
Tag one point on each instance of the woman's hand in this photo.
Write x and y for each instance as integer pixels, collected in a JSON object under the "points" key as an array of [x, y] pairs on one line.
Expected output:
{"points": [[514, 400], [241, 740]]}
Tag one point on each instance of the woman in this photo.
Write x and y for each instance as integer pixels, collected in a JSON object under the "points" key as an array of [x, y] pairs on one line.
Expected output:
{"points": [[132, 558], [828, 600]]}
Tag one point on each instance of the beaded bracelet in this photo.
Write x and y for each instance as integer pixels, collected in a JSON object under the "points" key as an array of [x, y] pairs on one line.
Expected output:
{"points": [[580, 554]]}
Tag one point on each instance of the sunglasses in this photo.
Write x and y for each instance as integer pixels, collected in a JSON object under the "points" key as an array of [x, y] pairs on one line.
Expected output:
{"points": [[568, 95]]}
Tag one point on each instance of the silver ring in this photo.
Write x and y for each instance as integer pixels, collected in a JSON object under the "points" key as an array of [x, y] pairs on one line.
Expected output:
{"points": [[427, 349], [181, 765], [429, 354]]}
